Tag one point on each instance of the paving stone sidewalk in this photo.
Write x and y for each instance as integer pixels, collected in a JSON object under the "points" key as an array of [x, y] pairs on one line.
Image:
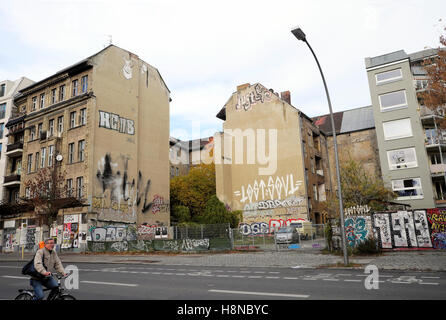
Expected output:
{"points": [[413, 260]]}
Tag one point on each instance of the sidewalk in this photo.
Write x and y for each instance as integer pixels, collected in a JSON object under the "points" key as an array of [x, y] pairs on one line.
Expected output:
{"points": [[415, 260]]}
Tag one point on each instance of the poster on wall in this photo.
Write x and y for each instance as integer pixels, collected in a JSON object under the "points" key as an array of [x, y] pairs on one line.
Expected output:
{"points": [[70, 238]]}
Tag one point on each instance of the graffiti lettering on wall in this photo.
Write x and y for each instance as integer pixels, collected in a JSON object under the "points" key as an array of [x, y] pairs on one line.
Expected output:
{"points": [[359, 209], [182, 245], [158, 204], [147, 232], [273, 188], [402, 229], [357, 229], [30, 238], [272, 204], [437, 221], [112, 233], [254, 95], [266, 227], [115, 122]]}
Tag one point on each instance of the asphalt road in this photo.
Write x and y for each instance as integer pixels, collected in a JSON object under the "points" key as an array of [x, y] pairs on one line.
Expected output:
{"points": [[152, 281]]}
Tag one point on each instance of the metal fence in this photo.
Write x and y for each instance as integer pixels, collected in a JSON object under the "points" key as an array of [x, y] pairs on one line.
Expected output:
{"points": [[281, 239]]}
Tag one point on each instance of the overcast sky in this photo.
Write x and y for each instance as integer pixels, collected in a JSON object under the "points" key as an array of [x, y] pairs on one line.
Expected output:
{"points": [[204, 49]]}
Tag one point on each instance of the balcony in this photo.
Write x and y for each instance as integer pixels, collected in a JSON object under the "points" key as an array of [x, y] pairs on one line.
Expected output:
{"points": [[435, 138], [438, 169], [11, 180], [14, 149]]}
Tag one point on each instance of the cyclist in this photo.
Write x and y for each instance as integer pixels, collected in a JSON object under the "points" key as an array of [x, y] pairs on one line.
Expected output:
{"points": [[50, 263]]}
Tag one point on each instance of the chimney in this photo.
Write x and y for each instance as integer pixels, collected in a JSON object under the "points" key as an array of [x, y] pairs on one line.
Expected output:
{"points": [[286, 96], [243, 86]]}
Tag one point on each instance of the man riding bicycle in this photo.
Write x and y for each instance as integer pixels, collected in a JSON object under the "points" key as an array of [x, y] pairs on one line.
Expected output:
{"points": [[45, 262]]}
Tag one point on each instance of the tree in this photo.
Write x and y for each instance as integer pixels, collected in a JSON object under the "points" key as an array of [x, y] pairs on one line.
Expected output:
{"points": [[358, 188], [194, 189], [47, 192], [215, 212], [180, 214], [434, 97]]}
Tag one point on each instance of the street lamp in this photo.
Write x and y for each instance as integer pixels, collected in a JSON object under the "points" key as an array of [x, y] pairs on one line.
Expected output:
{"points": [[300, 35]]}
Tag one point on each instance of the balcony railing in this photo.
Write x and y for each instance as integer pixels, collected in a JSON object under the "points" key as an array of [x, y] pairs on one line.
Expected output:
{"points": [[435, 137], [14, 146], [438, 168], [12, 178]]}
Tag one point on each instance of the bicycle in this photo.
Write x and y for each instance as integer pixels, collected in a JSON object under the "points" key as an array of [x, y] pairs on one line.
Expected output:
{"points": [[28, 294]]}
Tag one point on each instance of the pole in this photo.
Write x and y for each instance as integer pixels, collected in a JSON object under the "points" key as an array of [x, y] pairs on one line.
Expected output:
{"points": [[338, 177]]}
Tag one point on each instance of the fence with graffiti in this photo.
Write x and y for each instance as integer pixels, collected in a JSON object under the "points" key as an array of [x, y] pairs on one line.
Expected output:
{"points": [[399, 230]]}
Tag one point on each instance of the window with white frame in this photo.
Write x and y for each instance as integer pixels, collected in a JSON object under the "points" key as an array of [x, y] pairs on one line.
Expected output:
{"points": [[73, 119], [80, 186], [71, 153], [84, 84], [50, 155], [388, 76], [393, 100], [42, 157], [51, 128], [83, 116], [81, 150], [53, 96], [402, 158], [408, 189], [62, 93], [75, 87], [33, 104], [397, 129], [29, 163], [42, 101], [69, 187], [60, 124], [32, 133]]}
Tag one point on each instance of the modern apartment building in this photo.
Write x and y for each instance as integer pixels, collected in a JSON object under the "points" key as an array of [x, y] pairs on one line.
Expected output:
{"points": [[102, 123], [7, 91], [273, 184], [411, 147]]}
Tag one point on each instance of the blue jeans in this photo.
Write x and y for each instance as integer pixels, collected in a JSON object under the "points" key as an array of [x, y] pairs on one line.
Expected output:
{"points": [[49, 283]]}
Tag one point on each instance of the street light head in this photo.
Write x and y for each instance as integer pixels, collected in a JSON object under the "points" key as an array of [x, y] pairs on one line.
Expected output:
{"points": [[299, 34]]}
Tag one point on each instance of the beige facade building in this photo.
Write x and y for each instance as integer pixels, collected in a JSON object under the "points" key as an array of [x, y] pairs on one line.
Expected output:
{"points": [[103, 123], [270, 160]]}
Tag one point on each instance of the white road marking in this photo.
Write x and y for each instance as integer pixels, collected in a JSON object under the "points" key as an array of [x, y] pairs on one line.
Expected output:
{"points": [[401, 282], [352, 280], [15, 277], [222, 276], [290, 278], [271, 294], [272, 277], [111, 283], [432, 283], [239, 276], [255, 277], [430, 277], [330, 279], [344, 274]]}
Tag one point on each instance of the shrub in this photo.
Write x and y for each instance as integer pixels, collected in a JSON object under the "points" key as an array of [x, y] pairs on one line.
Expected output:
{"points": [[368, 246]]}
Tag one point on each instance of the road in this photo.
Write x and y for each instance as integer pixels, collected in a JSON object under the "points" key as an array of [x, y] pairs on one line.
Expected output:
{"points": [[181, 282]]}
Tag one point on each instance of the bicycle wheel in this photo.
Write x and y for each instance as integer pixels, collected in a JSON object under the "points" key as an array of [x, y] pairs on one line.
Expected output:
{"points": [[66, 297], [24, 296]]}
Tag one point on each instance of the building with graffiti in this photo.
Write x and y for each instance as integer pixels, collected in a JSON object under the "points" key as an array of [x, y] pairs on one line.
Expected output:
{"points": [[102, 125], [271, 160]]}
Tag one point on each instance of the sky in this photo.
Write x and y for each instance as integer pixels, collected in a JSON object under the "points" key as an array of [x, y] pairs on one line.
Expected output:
{"points": [[204, 49]]}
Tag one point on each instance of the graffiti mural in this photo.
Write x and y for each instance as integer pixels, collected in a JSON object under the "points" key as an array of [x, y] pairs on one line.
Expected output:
{"points": [[146, 232], [115, 122], [402, 229], [265, 227], [159, 205], [357, 229], [258, 94], [278, 187], [112, 233], [437, 222]]}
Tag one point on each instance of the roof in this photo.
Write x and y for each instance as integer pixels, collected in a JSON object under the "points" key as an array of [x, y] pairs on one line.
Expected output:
{"points": [[420, 55], [385, 58], [347, 121]]}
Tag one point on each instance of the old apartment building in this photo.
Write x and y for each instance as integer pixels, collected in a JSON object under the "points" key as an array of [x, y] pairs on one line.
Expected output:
{"points": [[103, 125], [8, 89], [411, 146], [282, 182]]}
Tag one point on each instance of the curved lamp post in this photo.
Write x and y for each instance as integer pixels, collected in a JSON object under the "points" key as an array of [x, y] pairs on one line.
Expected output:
{"points": [[300, 35]]}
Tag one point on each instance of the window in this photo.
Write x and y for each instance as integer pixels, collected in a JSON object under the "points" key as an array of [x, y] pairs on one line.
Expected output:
{"points": [[421, 84], [27, 192], [42, 101], [51, 128], [33, 104], [74, 86], [50, 155], [42, 157], [397, 129], [32, 133], [53, 96], [388, 76], [83, 116], [2, 110], [36, 165], [408, 188], [2, 128], [73, 119], [84, 84], [71, 153], [69, 187], [80, 150], [60, 124], [315, 192], [62, 93], [79, 186], [402, 159], [393, 100], [2, 90], [39, 130], [29, 163]]}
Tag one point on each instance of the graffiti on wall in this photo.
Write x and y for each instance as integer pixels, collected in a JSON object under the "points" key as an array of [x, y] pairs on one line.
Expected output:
{"points": [[437, 222], [150, 232], [70, 235], [278, 187], [115, 122], [402, 229], [357, 210], [357, 229], [159, 205], [257, 94], [30, 238], [8, 240], [265, 227], [112, 233]]}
